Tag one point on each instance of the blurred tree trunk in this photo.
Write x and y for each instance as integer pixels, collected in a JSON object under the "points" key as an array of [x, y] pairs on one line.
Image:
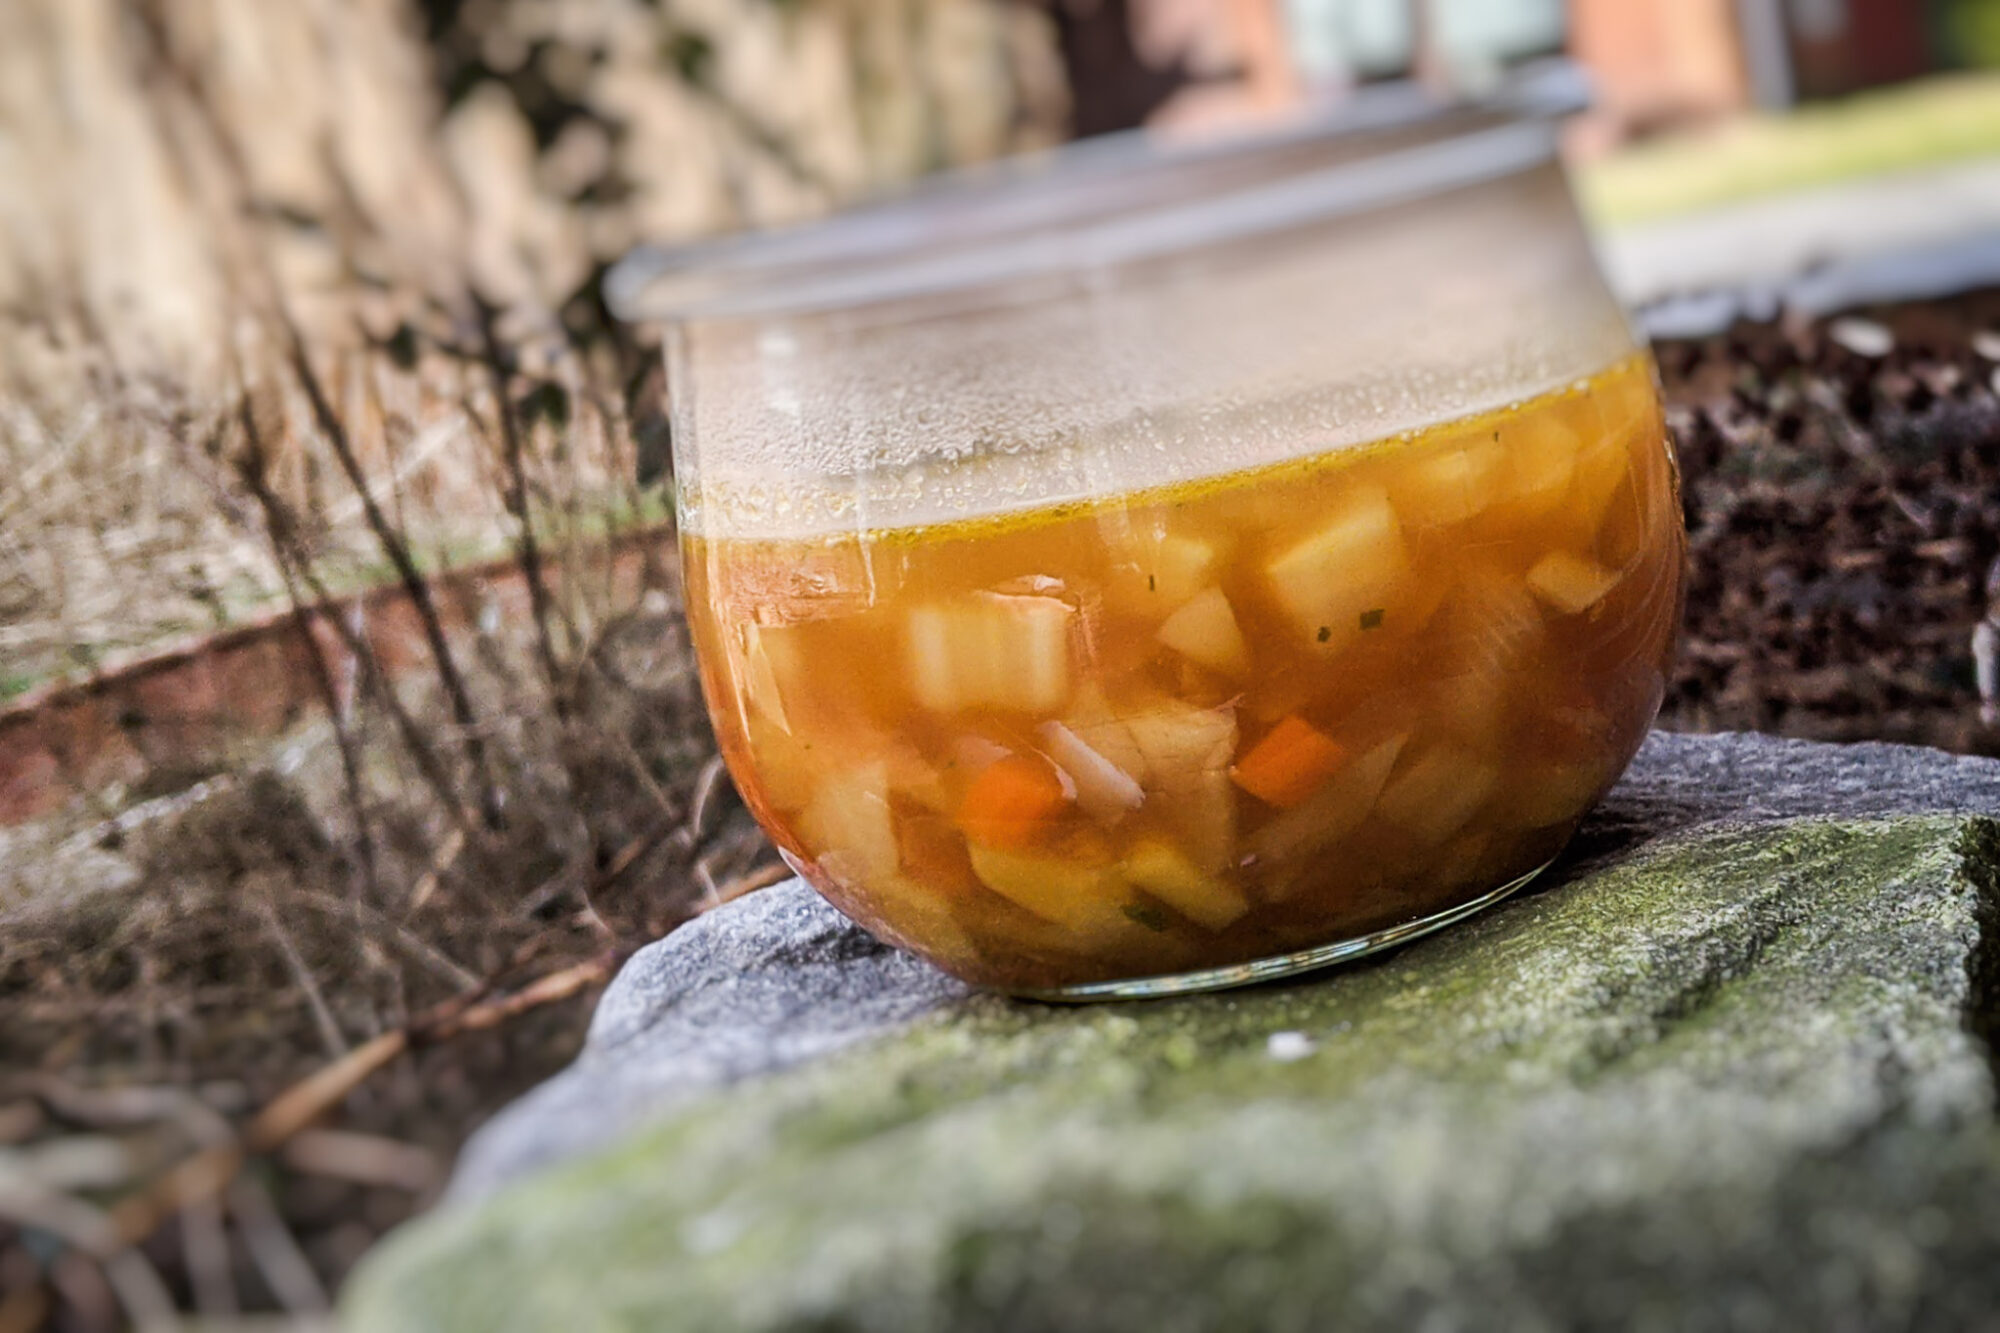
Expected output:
{"points": [[186, 183], [509, 145]]}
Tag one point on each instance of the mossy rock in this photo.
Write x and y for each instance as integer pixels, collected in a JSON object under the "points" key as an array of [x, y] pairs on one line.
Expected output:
{"points": [[1730, 1069]]}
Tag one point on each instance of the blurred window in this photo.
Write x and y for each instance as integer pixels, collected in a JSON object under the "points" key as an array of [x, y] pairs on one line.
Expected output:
{"points": [[1353, 40], [1349, 40], [1490, 32], [1819, 20]]}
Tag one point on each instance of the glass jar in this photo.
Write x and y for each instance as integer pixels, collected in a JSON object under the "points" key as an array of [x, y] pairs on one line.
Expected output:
{"points": [[1148, 568]]}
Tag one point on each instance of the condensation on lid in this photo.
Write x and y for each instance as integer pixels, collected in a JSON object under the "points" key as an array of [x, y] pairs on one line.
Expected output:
{"points": [[1108, 201]]}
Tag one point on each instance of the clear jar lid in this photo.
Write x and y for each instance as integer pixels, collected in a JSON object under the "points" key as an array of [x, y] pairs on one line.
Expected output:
{"points": [[1107, 201]]}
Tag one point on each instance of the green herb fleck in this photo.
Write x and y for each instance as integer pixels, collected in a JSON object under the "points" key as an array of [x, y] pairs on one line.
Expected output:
{"points": [[1152, 918], [1372, 619], [1325, 633], [1152, 584]]}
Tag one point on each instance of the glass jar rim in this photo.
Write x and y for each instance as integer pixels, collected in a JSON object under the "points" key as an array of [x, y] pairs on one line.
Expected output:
{"points": [[1102, 202]]}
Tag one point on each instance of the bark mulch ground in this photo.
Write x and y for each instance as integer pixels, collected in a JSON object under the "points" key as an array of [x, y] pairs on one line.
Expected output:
{"points": [[1844, 514]]}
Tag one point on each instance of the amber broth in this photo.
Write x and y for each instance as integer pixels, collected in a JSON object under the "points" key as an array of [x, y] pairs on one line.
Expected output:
{"points": [[1213, 723]]}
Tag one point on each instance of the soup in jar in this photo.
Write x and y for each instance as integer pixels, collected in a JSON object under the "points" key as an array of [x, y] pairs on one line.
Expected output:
{"points": [[1224, 721]]}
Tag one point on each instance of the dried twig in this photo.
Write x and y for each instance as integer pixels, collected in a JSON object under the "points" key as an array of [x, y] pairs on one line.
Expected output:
{"points": [[90, 1232], [707, 784], [391, 541], [400, 938], [329, 1030], [119, 1108], [211, 1170], [281, 526], [364, 1159], [284, 1267], [205, 1250], [516, 494], [397, 550], [427, 883], [25, 1309], [763, 877]]}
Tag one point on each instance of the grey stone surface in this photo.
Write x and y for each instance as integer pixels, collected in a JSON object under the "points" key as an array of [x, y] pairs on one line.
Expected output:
{"points": [[766, 982], [1731, 1067]]}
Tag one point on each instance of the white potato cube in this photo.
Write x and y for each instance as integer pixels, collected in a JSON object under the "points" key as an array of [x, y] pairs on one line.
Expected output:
{"points": [[1570, 583], [1439, 792], [1541, 461], [1187, 753], [1602, 466], [848, 825], [921, 920], [768, 655], [1154, 571], [991, 650], [1327, 582], [1205, 632], [788, 768], [1457, 482], [1178, 567]]}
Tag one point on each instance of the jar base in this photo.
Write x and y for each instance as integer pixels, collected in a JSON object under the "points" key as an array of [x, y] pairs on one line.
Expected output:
{"points": [[1281, 965]]}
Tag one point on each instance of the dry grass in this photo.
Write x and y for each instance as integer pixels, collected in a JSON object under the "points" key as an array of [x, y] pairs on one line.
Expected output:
{"points": [[534, 795]]}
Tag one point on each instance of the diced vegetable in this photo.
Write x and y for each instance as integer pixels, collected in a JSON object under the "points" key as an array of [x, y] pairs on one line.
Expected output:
{"points": [[920, 919], [972, 752], [1178, 568], [1106, 792], [848, 825], [1289, 763], [1570, 583], [1620, 537], [1014, 802], [1187, 753], [1086, 898], [1348, 569], [768, 653], [1334, 811], [1475, 707], [1460, 861], [991, 650], [1453, 485], [1093, 722], [1438, 792], [1496, 627], [1602, 467], [1176, 741], [1205, 631], [1541, 458], [1550, 793], [1164, 871], [911, 775], [787, 767], [1156, 572]]}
